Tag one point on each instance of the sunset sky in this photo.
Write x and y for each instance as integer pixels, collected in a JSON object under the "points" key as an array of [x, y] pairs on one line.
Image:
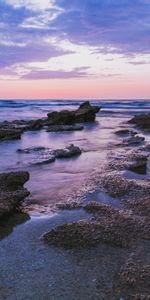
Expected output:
{"points": [[71, 49]]}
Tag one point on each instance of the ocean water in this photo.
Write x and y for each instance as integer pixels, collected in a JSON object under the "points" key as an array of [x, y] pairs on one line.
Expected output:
{"points": [[63, 179], [30, 269]]}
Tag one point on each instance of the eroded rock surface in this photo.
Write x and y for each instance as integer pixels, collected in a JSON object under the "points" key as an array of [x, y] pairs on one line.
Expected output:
{"points": [[12, 191], [142, 121]]}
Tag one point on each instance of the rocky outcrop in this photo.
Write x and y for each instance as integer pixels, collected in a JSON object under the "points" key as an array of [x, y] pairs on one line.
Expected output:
{"points": [[85, 113], [12, 191], [133, 141], [70, 151], [9, 132], [58, 128], [125, 132], [142, 121], [46, 155], [54, 122], [117, 228]]}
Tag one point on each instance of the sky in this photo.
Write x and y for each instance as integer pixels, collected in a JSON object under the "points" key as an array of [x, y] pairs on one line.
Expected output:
{"points": [[74, 49]]}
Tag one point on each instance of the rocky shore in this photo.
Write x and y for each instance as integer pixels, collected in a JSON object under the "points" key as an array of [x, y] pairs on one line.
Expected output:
{"points": [[54, 122], [126, 227], [12, 191]]}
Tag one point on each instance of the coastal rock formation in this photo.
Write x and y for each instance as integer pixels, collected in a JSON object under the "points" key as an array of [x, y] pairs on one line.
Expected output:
{"points": [[69, 151], [125, 132], [9, 132], [56, 121], [111, 226], [142, 121], [58, 128], [12, 191], [133, 141], [46, 155], [85, 113], [134, 278]]}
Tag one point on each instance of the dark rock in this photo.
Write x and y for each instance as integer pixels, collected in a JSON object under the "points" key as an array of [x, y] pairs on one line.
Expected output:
{"points": [[58, 128], [9, 132], [86, 112], [133, 141], [142, 121], [70, 151], [44, 159], [32, 150], [126, 132], [12, 191], [64, 117], [69, 205], [139, 165]]}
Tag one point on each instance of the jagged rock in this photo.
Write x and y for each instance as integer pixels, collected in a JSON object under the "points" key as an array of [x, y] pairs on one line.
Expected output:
{"points": [[142, 121], [86, 112], [12, 191], [70, 151], [57, 128], [63, 117]]}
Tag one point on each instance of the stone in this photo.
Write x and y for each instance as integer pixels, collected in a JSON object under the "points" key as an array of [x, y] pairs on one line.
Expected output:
{"points": [[142, 121], [59, 128], [12, 192], [70, 151]]}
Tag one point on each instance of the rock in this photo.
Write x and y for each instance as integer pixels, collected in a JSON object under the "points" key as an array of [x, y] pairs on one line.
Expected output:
{"points": [[32, 150], [133, 141], [69, 205], [139, 205], [44, 159], [86, 112], [113, 227], [9, 132], [58, 128], [126, 132], [139, 165], [142, 121], [134, 278], [12, 191], [63, 117], [115, 185], [70, 151], [34, 124]]}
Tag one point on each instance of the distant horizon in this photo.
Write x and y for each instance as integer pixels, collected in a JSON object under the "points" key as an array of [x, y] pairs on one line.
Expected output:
{"points": [[75, 99]]}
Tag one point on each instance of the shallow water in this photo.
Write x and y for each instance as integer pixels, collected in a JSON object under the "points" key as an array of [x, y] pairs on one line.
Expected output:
{"points": [[29, 269]]}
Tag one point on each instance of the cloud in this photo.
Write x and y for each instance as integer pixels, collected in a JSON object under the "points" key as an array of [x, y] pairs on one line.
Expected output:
{"points": [[31, 4], [33, 30], [58, 74], [123, 25]]}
